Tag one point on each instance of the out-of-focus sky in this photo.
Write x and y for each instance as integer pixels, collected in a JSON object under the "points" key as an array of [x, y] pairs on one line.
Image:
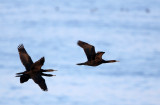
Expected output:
{"points": [[127, 30]]}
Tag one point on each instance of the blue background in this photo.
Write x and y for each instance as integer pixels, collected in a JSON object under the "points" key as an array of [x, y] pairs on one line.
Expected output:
{"points": [[127, 30]]}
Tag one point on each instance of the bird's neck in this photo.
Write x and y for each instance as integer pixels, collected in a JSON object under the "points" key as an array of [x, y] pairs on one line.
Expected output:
{"points": [[108, 61]]}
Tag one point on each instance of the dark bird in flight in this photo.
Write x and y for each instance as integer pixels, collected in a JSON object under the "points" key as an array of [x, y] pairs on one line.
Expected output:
{"points": [[33, 70], [94, 59]]}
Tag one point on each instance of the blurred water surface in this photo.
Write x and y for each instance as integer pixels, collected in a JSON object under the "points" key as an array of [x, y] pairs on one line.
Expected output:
{"points": [[127, 30]]}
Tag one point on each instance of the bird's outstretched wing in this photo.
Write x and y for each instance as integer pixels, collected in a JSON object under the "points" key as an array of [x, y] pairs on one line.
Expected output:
{"points": [[24, 78], [99, 55], [38, 64], [88, 49], [25, 58], [38, 79]]}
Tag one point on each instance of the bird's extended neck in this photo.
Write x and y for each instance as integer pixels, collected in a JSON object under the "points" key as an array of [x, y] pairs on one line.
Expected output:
{"points": [[47, 70], [109, 61], [48, 75]]}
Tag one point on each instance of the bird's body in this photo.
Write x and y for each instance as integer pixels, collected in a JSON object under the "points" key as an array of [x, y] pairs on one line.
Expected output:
{"points": [[33, 70], [94, 59], [91, 63]]}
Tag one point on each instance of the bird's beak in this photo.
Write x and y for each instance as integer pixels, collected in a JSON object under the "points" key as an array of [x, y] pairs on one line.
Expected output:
{"points": [[55, 70], [51, 70]]}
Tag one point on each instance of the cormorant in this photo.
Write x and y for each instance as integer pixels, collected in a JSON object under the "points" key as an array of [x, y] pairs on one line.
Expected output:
{"points": [[94, 59], [33, 70]]}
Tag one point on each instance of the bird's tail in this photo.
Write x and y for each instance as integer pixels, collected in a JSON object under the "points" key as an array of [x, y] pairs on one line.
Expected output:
{"points": [[80, 63], [19, 73], [18, 76]]}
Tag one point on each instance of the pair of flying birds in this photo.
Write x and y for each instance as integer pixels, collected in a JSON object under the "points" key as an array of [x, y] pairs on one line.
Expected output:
{"points": [[35, 72]]}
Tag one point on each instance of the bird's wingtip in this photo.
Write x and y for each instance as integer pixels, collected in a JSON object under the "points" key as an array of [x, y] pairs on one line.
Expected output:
{"points": [[20, 46], [45, 90]]}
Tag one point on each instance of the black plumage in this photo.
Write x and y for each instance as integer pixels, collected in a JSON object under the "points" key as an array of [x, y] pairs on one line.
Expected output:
{"points": [[33, 70], [93, 58]]}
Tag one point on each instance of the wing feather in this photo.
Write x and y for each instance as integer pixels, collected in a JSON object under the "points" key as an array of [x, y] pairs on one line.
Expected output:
{"points": [[24, 78], [88, 49], [38, 64], [99, 55], [25, 58], [38, 79]]}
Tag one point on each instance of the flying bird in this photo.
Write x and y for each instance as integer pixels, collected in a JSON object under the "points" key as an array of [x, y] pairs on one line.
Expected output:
{"points": [[33, 70], [94, 59]]}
